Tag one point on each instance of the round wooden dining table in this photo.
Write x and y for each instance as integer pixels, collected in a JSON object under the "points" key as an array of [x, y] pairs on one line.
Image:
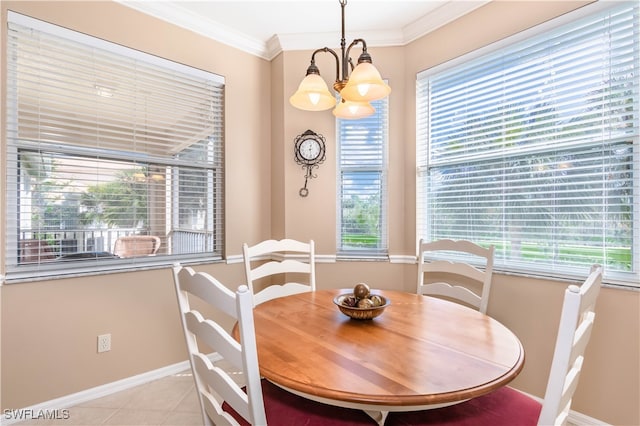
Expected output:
{"points": [[422, 352]]}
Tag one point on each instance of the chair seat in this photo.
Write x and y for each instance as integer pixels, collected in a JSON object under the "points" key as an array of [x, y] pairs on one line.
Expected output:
{"points": [[503, 407], [286, 409]]}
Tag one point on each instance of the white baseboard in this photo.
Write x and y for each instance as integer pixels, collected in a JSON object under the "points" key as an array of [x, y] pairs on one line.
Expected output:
{"points": [[71, 400], [327, 258], [410, 260], [580, 419], [574, 417], [235, 258], [320, 258]]}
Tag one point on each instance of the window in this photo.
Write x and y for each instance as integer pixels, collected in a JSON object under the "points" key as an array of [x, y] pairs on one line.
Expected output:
{"points": [[533, 147], [362, 183], [114, 157]]}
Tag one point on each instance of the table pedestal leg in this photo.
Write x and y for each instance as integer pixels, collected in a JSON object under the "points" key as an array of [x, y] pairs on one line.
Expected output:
{"points": [[379, 416]]}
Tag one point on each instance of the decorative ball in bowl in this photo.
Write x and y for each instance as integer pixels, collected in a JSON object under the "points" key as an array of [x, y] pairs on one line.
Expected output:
{"points": [[361, 304]]}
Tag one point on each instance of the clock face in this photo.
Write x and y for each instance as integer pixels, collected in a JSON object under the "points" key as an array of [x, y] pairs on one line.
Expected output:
{"points": [[309, 149]]}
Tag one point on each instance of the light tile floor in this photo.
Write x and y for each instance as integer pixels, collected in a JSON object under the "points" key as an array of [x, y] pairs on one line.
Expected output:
{"points": [[170, 401]]}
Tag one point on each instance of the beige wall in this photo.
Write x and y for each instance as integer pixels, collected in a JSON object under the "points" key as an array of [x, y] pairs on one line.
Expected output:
{"points": [[49, 327], [610, 384]]}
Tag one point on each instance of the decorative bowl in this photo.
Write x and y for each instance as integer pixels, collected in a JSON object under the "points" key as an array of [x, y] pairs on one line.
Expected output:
{"points": [[360, 313]]}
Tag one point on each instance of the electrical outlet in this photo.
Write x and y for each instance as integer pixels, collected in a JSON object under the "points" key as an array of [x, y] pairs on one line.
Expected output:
{"points": [[104, 343]]}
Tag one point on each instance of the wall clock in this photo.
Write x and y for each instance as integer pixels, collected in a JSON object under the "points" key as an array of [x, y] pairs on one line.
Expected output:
{"points": [[309, 152]]}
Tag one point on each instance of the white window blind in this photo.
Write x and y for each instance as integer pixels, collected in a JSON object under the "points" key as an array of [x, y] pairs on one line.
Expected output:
{"points": [[106, 142], [534, 148], [362, 183]]}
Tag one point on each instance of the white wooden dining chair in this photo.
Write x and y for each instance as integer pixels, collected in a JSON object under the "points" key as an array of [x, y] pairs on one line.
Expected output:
{"points": [[454, 278], [509, 407], [223, 400], [574, 332], [281, 262], [207, 376]]}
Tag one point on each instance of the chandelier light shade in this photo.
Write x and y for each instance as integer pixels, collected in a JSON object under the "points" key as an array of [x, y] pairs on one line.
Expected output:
{"points": [[313, 94], [365, 84], [356, 91], [351, 110]]}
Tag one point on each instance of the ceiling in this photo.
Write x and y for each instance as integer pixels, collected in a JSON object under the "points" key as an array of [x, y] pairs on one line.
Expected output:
{"points": [[265, 28]]}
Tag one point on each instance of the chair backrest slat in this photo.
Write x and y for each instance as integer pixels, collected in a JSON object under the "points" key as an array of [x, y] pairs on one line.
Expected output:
{"points": [[570, 385], [274, 267], [455, 271], [581, 337], [454, 268], [215, 336], [286, 258], [217, 296]]}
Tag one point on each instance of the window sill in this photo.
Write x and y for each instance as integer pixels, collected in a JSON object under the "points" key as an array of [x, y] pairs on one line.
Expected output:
{"points": [[361, 257], [87, 268]]}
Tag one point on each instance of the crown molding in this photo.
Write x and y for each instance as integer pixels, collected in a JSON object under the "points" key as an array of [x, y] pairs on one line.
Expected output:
{"points": [[178, 15], [311, 41], [175, 14], [439, 17]]}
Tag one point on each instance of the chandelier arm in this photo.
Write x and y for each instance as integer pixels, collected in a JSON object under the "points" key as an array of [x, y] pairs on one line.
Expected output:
{"points": [[335, 55], [347, 57], [364, 56], [357, 41]]}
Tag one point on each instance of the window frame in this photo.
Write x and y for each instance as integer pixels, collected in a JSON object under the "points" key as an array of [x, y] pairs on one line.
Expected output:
{"points": [[381, 251], [212, 164], [422, 130]]}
